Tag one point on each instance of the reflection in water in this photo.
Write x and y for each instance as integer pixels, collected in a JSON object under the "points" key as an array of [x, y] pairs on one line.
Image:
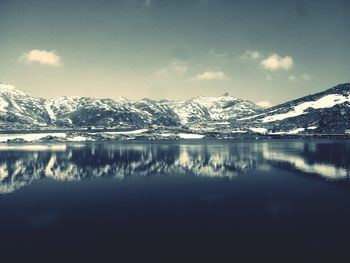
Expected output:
{"points": [[20, 165]]}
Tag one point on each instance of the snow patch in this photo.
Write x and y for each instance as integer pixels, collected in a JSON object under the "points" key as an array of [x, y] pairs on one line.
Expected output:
{"points": [[190, 136], [77, 139], [258, 130], [29, 137], [127, 132], [327, 101], [3, 105], [295, 131], [50, 111]]}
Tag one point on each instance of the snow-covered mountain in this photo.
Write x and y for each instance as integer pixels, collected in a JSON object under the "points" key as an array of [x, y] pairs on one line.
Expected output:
{"points": [[224, 108], [20, 110], [324, 112]]}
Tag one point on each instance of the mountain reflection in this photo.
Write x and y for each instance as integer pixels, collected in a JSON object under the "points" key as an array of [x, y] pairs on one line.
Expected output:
{"points": [[22, 164]]}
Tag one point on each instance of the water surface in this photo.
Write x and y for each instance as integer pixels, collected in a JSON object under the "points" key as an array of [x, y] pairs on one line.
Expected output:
{"points": [[284, 201]]}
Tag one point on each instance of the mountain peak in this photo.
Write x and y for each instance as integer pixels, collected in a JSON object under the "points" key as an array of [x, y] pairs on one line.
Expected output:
{"points": [[7, 88], [4, 85]]}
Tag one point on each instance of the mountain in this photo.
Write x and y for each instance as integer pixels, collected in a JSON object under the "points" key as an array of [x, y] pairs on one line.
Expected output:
{"points": [[20, 110], [224, 108], [324, 112]]}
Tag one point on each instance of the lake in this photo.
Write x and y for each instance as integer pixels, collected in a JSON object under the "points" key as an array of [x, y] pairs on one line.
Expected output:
{"points": [[144, 201]]}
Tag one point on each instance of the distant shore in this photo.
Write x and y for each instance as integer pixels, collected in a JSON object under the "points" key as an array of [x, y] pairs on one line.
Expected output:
{"points": [[96, 135]]}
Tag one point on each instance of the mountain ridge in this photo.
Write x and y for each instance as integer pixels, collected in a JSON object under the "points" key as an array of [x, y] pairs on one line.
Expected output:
{"points": [[326, 111], [74, 111]]}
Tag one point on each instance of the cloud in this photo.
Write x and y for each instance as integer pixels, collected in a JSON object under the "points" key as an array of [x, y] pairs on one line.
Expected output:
{"points": [[43, 57], [306, 76], [175, 66], [264, 104], [211, 75], [216, 54], [276, 62], [147, 3], [251, 54]]}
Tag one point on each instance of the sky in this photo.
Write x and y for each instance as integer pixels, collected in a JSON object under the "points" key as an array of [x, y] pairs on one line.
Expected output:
{"points": [[267, 51]]}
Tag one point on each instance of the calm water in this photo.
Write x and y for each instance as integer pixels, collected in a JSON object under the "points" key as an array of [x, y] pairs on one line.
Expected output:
{"points": [[238, 201]]}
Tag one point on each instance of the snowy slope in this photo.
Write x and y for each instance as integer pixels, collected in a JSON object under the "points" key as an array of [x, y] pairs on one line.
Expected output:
{"points": [[19, 109], [327, 111], [222, 108]]}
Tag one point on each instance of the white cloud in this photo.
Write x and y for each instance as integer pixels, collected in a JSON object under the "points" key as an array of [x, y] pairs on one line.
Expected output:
{"points": [[211, 75], [43, 57], [179, 67], [251, 54], [306, 76], [217, 54], [174, 66], [276, 62], [264, 103]]}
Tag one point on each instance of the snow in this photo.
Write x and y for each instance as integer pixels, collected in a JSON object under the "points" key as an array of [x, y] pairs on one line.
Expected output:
{"points": [[295, 131], [14, 104], [221, 123], [77, 139], [6, 88], [327, 101], [50, 111], [190, 136], [127, 132], [312, 128], [215, 108], [258, 130], [250, 117], [239, 131], [64, 104], [29, 137], [3, 105], [166, 134]]}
